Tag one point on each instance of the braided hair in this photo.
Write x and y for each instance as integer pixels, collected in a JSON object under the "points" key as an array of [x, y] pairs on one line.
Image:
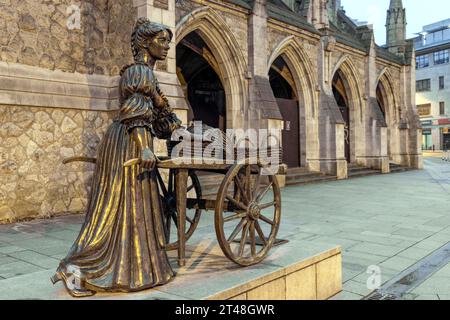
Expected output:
{"points": [[143, 30]]}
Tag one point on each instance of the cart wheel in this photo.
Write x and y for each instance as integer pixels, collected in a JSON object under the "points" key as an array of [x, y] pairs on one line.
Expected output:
{"points": [[169, 203], [248, 206]]}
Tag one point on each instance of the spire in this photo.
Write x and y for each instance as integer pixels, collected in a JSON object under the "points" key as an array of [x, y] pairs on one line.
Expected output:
{"points": [[396, 27], [396, 4]]}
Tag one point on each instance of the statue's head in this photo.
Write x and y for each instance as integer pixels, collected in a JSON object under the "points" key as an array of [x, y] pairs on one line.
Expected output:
{"points": [[150, 39]]}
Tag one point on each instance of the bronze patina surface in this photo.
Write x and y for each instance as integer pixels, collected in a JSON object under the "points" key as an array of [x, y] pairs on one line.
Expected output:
{"points": [[121, 246]]}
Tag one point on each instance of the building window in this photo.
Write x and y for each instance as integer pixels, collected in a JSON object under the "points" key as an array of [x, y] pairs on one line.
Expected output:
{"points": [[441, 83], [441, 57], [424, 110], [423, 85], [441, 108], [422, 62]]}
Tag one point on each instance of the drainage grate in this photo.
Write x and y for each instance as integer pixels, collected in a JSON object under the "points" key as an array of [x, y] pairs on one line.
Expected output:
{"points": [[379, 296], [412, 277]]}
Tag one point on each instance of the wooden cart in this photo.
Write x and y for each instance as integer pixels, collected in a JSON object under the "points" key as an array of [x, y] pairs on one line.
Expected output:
{"points": [[248, 204]]}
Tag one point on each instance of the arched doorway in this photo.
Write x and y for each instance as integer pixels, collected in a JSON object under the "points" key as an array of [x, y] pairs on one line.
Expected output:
{"points": [[341, 97], [282, 83], [198, 73], [383, 104], [388, 101]]}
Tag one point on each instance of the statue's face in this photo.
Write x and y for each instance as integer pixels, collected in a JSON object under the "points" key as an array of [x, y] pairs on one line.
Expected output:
{"points": [[159, 45]]}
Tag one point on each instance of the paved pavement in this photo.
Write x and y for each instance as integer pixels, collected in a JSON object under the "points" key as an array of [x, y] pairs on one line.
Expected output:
{"points": [[387, 222]]}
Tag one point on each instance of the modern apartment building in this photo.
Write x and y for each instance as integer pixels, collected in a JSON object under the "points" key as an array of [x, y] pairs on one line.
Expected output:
{"points": [[433, 84]]}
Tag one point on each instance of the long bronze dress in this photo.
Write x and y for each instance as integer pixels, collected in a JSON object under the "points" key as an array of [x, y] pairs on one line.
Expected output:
{"points": [[120, 245]]}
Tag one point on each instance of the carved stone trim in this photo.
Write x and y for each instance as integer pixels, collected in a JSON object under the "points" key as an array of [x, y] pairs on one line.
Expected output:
{"points": [[162, 4], [23, 85]]}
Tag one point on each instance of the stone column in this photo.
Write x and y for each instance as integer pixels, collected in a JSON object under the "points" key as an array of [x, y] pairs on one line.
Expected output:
{"points": [[263, 109], [331, 125], [408, 88], [376, 154]]}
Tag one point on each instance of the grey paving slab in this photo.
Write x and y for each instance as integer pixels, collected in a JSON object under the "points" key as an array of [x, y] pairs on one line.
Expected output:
{"points": [[346, 295], [67, 235], [377, 249], [40, 243], [37, 286], [434, 285], [60, 250], [344, 243], [397, 263], [414, 253], [369, 238], [6, 259], [386, 274], [10, 249], [37, 259], [413, 233], [424, 297], [356, 288], [16, 269]]}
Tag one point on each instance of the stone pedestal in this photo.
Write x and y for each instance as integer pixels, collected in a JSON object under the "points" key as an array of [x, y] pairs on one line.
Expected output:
{"points": [[298, 270]]}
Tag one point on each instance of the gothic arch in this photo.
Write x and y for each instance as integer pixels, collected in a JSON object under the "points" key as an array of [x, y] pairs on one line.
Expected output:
{"points": [[301, 66], [385, 84], [347, 71], [353, 83], [386, 80], [305, 81], [221, 41]]}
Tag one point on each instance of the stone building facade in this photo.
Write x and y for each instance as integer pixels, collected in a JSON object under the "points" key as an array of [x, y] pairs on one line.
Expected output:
{"points": [[300, 66]]}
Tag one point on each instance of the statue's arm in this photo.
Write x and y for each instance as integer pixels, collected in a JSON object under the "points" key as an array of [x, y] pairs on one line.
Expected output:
{"points": [[166, 121], [141, 138]]}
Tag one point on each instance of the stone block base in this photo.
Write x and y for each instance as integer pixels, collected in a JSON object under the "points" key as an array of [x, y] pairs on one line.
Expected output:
{"points": [[298, 270]]}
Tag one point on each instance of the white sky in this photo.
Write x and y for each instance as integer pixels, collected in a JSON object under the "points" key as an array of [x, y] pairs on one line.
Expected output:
{"points": [[418, 14]]}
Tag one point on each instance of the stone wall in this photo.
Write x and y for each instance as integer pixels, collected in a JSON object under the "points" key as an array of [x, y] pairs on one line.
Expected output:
{"points": [[33, 180], [35, 32]]}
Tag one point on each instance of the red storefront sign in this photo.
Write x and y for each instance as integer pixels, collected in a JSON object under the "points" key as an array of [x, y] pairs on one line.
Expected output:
{"points": [[442, 122]]}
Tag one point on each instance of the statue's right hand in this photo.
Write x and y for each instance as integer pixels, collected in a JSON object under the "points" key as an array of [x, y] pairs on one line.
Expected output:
{"points": [[148, 159]]}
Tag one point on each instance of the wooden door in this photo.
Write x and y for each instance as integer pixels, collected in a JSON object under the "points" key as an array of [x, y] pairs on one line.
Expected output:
{"points": [[291, 132]]}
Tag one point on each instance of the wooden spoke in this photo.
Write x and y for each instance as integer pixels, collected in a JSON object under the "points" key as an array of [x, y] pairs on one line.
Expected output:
{"points": [[162, 184], [252, 239], [235, 216], [168, 223], [257, 184], [171, 213], [248, 174], [236, 203], [267, 220], [267, 205], [241, 189], [263, 194], [174, 218], [249, 187], [243, 239], [260, 233], [237, 230], [170, 184]]}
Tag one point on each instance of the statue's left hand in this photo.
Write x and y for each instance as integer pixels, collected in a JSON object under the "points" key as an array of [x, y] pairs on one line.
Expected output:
{"points": [[148, 159]]}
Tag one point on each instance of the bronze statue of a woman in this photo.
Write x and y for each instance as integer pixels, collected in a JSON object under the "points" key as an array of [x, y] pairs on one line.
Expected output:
{"points": [[120, 247]]}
